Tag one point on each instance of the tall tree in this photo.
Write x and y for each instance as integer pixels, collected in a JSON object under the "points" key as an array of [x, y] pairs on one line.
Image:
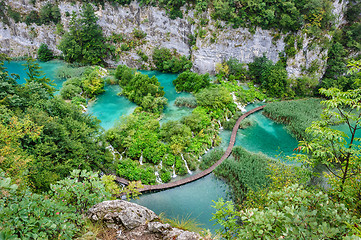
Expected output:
{"points": [[84, 43]]}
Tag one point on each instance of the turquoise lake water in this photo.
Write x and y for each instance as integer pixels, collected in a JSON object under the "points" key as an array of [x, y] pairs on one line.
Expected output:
{"points": [[49, 69], [192, 200]]}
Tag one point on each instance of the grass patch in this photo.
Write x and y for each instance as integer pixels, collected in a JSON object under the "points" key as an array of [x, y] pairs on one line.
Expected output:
{"points": [[244, 171], [190, 102], [186, 223], [297, 114], [211, 158]]}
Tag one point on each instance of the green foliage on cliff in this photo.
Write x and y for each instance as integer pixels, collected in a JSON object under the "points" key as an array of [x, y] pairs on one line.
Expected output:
{"points": [[44, 53], [85, 42], [272, 78], [167, 61]]}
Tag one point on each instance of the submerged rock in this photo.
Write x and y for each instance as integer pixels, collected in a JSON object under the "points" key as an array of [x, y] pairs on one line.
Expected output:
{"points": [[132, 221]]}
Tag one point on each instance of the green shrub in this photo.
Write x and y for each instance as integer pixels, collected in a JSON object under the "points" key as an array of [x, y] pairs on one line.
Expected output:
{"points": [[70, 91], [137, 33], [80, 191], [165, 175], [191, 82], [142, 55], [124, 47], [32, 17], [27, 215], [211, 158], [44, 53], [165, 61], [214, 97]]}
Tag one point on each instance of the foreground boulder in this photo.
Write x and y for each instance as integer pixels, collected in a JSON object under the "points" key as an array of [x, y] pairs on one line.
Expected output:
{"points": [[132, 221]]}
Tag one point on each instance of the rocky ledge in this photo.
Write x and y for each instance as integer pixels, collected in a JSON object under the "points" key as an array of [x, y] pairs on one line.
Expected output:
{"points": [[134, 222]]}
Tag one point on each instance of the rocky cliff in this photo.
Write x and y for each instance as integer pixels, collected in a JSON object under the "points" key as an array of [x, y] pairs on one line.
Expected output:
{"points": [[131, 221], [217, 42]]}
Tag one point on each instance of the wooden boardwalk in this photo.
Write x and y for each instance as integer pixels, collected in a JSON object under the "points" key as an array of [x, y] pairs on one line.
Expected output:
{"points": [[149, 188]]}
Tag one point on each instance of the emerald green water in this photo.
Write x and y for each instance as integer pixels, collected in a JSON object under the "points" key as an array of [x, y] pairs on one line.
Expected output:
{"points": [[171, 111], [109, 107], [193, 200], [49, 69]]}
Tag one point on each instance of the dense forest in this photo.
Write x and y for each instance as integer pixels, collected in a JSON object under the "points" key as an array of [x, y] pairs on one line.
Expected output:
{"points": [[57, 161]]}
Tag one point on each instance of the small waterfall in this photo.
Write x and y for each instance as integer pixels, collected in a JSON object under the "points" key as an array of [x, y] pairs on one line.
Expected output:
{"points": [[113, 151], [239, 106], [157, 179], [141, 159], [185, 163], [160, 164], [173, 174], [121, 155], [220, 125]]}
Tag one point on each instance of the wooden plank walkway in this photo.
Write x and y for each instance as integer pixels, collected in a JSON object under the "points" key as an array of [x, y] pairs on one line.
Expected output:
{"points": [[159, 187]]}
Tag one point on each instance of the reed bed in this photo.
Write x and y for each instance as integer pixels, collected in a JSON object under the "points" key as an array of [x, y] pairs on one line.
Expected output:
{"points": [[296, 114]]}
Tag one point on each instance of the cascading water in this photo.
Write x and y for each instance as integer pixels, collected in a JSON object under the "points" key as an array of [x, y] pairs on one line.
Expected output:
{"points": [[185, 163], [239, 106], [113, 151], [173, 174], [141, 159], [220, 125]]}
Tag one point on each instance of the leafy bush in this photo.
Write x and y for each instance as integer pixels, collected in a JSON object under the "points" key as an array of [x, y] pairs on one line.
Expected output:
{"points": [[81, 190], [272, 78], [70, 91], [27, 215], [214, 97], [191, 82], [165, 175], [50, 13], [137, 33], [291, 212], [141, 89], [165, 61], [132, 171], [44, 53]]}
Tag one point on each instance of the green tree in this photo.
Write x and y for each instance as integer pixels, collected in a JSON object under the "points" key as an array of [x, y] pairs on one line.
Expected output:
{"points": [[84, 43], [338, 150], [35, 75], [44, 53]]}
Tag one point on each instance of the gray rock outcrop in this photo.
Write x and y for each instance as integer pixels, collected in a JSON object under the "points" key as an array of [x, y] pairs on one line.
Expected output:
{"points": [[218, 42], [132, 221]]}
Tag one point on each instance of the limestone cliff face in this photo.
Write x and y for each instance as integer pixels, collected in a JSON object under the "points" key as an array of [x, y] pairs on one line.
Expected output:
{"points": [[215, 45]]}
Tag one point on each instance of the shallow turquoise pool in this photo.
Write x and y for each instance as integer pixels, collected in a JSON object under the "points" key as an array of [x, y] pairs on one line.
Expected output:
{"points": [[49, 69]]}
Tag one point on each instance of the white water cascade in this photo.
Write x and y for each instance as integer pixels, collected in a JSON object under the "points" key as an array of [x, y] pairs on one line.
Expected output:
{"points": [[239, 106], [173, 174], [141, 159], [185, 163], [220, 125], [113, 151], [157, 179]]}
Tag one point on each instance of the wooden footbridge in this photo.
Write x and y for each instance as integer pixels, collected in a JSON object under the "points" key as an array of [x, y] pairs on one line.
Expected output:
{"points": [[159, 187]]}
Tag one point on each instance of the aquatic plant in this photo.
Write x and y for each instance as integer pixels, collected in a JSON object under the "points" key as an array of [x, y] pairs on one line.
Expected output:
{"points": [[296, 114], [190, 102]]}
